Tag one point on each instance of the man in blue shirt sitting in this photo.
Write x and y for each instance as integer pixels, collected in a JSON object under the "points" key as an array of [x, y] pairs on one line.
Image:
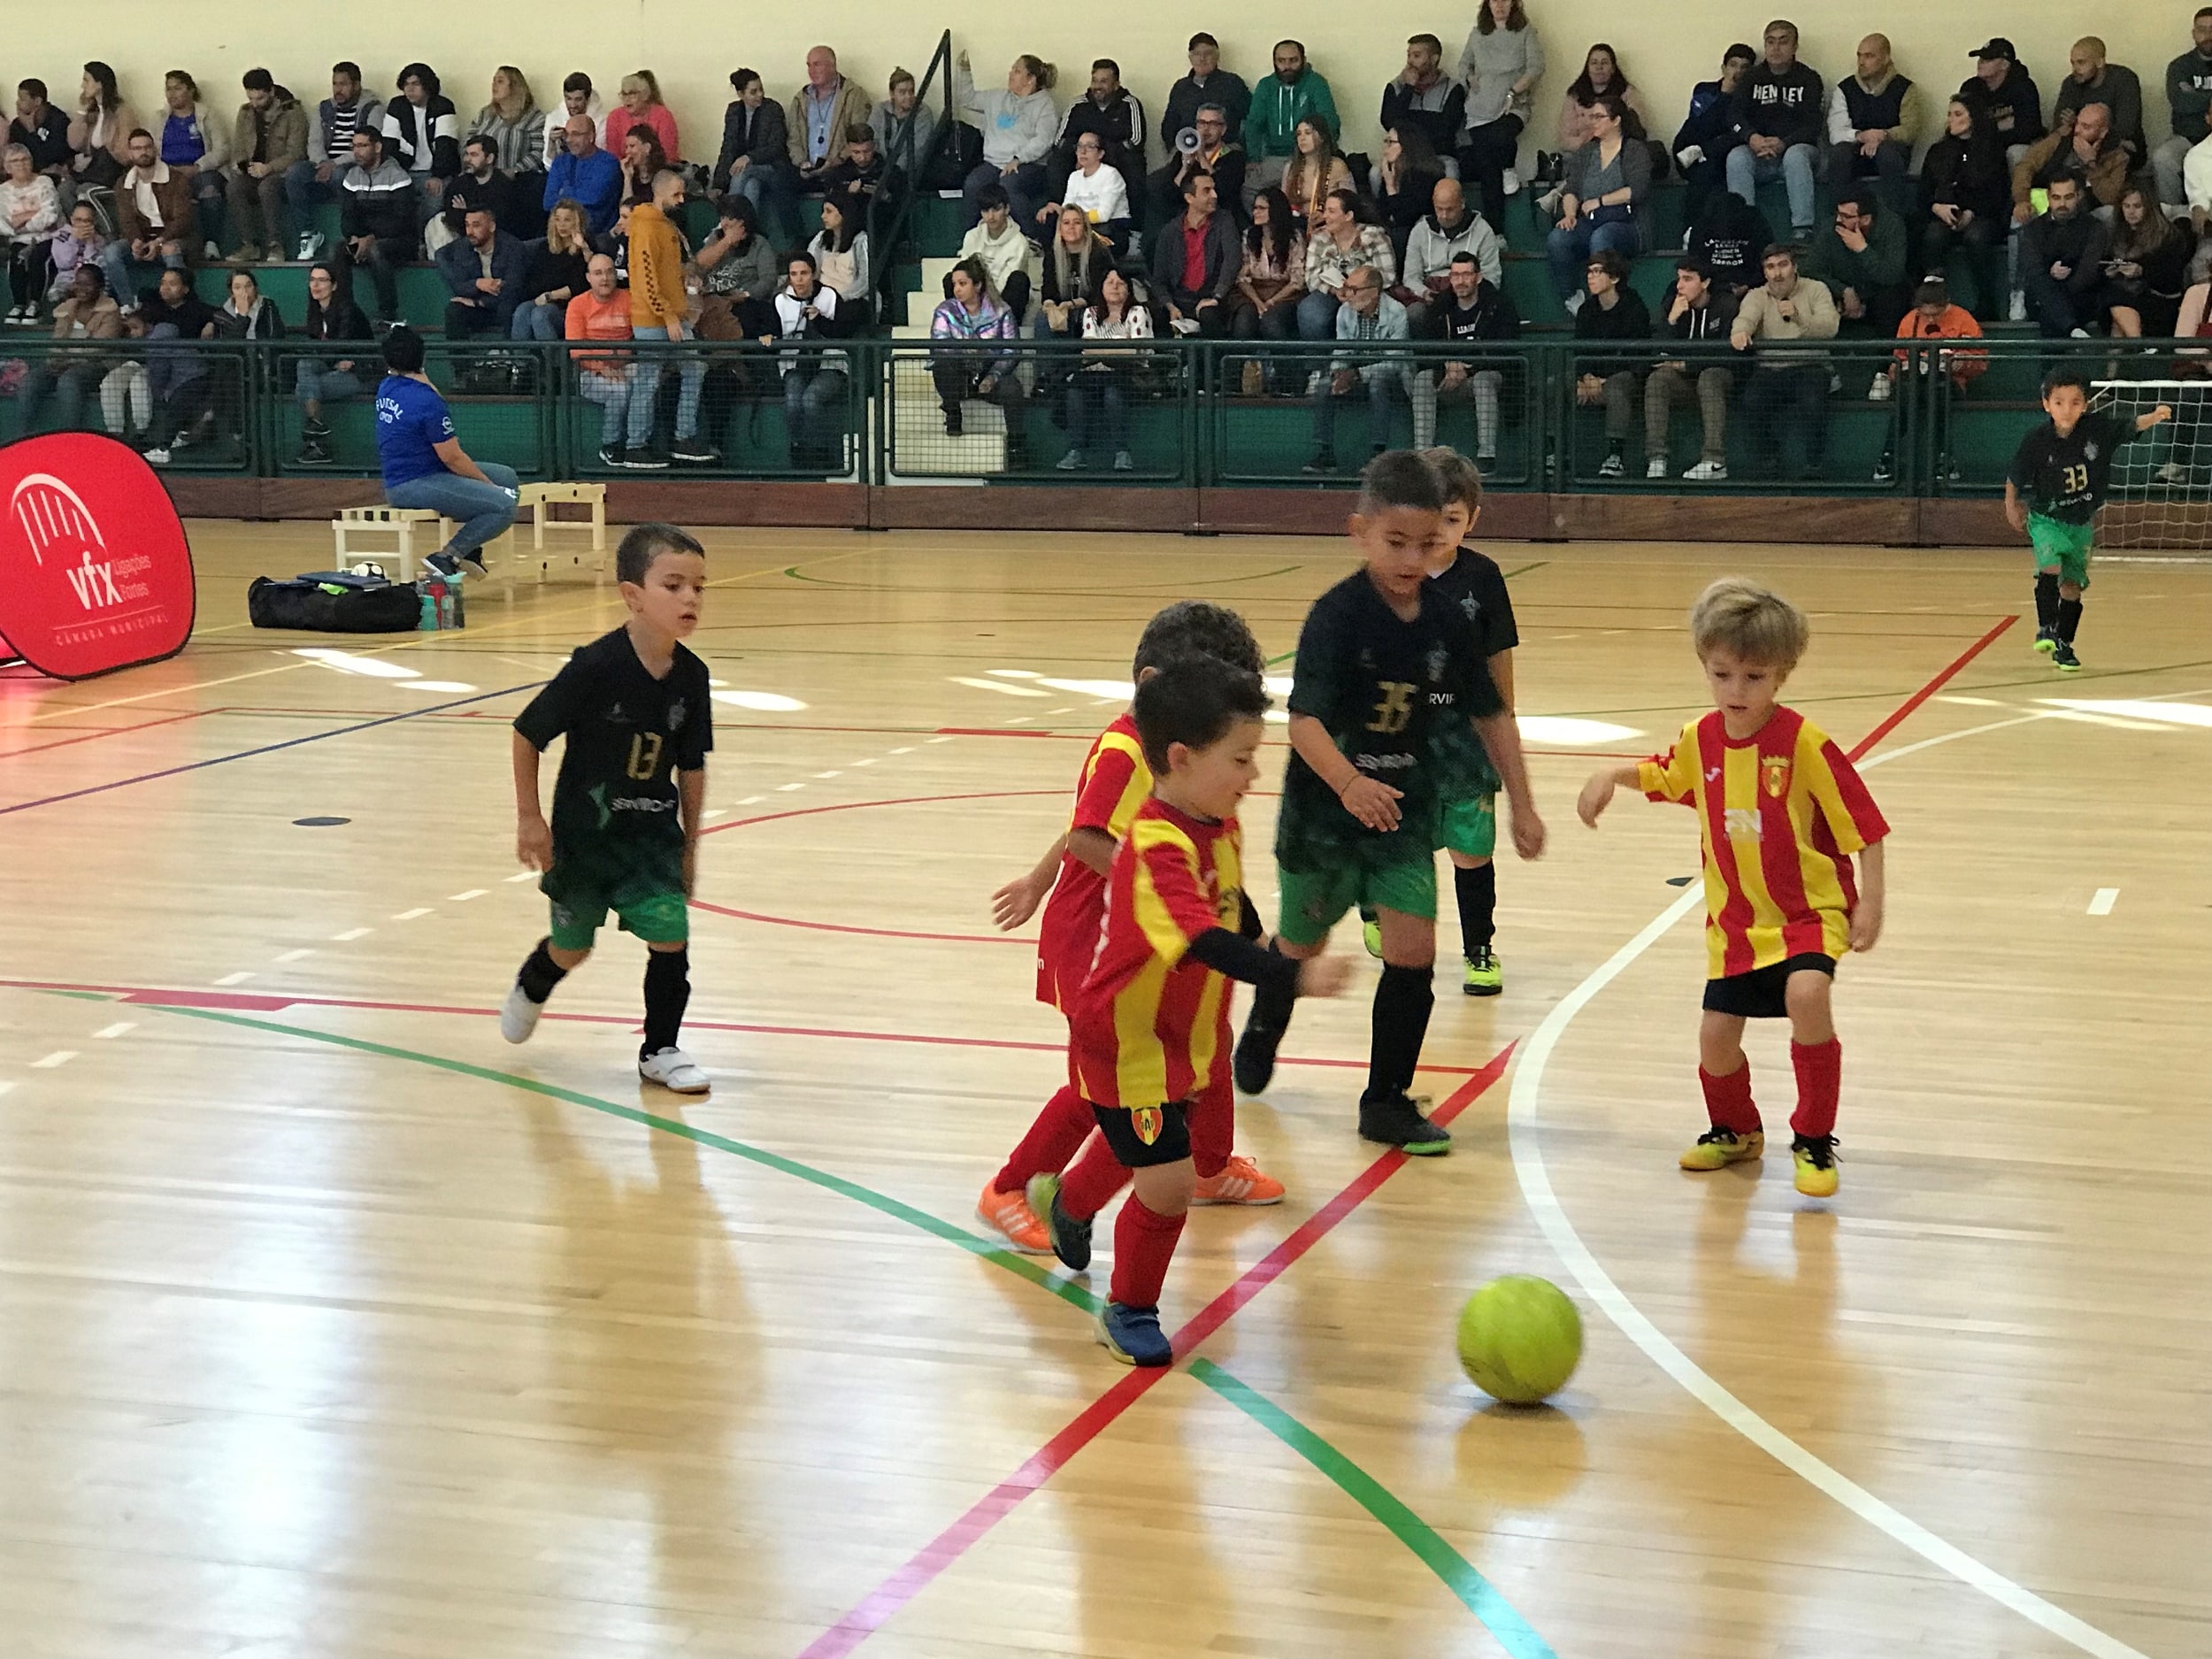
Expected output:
{"points": [[424, 465], [587, 174]]}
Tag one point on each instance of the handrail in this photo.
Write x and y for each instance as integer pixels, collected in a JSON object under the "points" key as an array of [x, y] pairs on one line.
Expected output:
{"points": [[900, 155]]}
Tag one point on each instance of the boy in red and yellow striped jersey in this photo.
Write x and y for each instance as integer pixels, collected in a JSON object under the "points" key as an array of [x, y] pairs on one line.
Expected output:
{"points": [[1150, 1025], [1114, 783], [1781, 811]]}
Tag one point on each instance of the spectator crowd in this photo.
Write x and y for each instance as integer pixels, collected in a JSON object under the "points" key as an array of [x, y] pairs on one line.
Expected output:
{"points": [[1239, 213]]}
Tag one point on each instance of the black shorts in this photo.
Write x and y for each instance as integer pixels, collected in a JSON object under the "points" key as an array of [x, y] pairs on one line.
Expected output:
{"points": [[1762, 993], [1124, 1127]]}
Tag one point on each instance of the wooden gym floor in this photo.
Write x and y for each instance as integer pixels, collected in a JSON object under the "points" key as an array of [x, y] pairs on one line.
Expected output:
{"points": [[331, 1325]]}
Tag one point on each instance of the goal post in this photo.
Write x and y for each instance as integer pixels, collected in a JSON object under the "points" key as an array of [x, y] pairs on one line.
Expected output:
{"points": [[2160, 497]]}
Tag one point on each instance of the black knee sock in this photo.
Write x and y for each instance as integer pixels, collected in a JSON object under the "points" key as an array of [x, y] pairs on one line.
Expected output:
{"points": [[1478, 890], [1404, 998], [541, 973], [1271, 1009], [2068, 618], [2047, 599], [667, 990]]}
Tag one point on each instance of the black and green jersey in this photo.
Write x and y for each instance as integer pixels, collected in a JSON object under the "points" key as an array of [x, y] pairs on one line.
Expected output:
{"points": [[616, 802], [2066, 478], [1379, 684], [1477, 586]]}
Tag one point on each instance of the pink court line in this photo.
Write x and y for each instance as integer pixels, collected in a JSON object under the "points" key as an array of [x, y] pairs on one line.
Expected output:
{"points": [[274, 1001], [878, 1607], [112, 731]]}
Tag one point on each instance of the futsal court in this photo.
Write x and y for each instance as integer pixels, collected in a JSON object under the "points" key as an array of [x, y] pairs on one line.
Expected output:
{"points": [[332, 1325]]}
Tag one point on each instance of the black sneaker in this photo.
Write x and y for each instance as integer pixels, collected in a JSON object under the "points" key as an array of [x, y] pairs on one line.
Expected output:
{"points": [[610, 455], [1396, 1120], [473, 562], [443, 564], [696, 452], [313, 453], [1254, 1065], [2046, 640], [643, 457], [2063, 659], [1886, 469], [1071, 1238], [1612, 466], [1324, 461]]}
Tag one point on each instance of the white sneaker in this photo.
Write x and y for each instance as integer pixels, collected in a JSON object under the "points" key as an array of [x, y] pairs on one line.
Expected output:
{"points": [[673, 1070], [1708, 473], [1879, 391], [1657, 467], [2018, 310], [2172, 472], [1513, 181], [157, 457], [519, 1015], [211, 251], [2082, 334]]}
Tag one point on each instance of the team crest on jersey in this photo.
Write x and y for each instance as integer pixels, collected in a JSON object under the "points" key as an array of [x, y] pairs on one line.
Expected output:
{"points": [[676, 713], [1146, 1121], [1440, 659], [1775, 774], [2089, 450]]}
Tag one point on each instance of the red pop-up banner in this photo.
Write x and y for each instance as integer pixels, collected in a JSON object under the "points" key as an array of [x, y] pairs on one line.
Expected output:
{"points": [[96, 573]]}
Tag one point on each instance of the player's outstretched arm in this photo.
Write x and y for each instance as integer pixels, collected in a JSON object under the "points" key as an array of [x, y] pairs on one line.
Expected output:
{"points": [[2143, 423], [1017, 901], [1369, 800], [691, 789], [533, 841], [1597, 794], [1500, 736], [1866, 915]]}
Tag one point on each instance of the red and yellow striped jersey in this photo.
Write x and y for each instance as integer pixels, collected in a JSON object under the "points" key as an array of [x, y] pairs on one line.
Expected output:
{"points": [[1114, 783], [1151, 1022], [1781, 813]]}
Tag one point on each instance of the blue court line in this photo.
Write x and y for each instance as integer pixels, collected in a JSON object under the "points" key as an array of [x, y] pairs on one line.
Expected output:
{"points": [[269, 749]]}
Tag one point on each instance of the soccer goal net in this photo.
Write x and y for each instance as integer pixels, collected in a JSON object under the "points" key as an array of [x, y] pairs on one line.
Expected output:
{"points": [[2162, 482]]}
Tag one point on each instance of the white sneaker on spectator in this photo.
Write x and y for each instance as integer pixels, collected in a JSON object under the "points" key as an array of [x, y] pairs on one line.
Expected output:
{"points": [[2172, 472], [1513, 181], [1879, 391], [1657, 467], [2081, 334], [1708, 473], [213, 253], [673, 1070], [157, 457], [2018, 312]]}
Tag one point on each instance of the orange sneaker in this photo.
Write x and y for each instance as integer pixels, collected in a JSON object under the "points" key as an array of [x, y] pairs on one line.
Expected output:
{"points": [[1009, 1216], [1241, 1181]]}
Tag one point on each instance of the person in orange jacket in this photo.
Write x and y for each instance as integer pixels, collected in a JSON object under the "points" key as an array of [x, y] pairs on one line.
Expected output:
{"points": [[1932, 317]]}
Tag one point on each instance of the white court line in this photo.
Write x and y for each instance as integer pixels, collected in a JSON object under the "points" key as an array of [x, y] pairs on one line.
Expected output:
{"points": [[786, 788], [926, 740], [240, 978], [409, 916], [2102, 904], [460, 898], [909, 749], [117, 1029], [295, 955], [869, 761], [1522, 1106], [828, 774], [60, 1057], [6, 1084], [350, 935], [526, 875], [749, 799]]}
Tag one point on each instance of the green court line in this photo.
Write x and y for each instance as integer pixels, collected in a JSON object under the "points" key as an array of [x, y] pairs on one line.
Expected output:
{"points": [[1476, 1593], [1524, 569], [1285, 657]]}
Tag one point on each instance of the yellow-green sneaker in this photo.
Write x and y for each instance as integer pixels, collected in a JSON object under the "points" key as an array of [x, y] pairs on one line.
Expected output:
{"points": [[1717, 1148], [1815, 1156], [1485, 975], [1371, 932]]}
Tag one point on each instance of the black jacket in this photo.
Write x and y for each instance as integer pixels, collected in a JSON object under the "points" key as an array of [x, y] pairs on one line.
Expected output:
{"points": [[1709, 321], [1098, 259], [762, 139], [1184, 97], [341, 320], [1119, 124], [436, 123], [1491, 317], [1224, 255], [1788, 106], [1711, 123], [1729, 235], [500, 193], [2013, 112], [1440, 127], [1629, 320], [1968, 173]]}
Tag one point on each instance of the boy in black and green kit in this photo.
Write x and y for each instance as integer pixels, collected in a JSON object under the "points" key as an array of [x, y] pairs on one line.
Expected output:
{"points": [[634, 706], [2053, 489], [1383, 655]]}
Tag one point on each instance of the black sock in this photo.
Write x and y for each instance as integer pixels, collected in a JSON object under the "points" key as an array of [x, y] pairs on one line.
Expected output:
{"points": [[2045, 599], [1271, 1009], [2068, 618], [667, 991], [1404, 998], [1478, 890], [541, 973]]}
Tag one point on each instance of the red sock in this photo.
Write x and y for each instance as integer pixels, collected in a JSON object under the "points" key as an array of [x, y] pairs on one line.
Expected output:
{"points": [[1144, 1243], [1213, 1129], [1728, 1100], [1819, 1081], [1090, 1184], [1055, 1137]]}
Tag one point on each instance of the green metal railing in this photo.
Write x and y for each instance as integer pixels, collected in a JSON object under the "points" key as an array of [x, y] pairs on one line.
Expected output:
{"points": [[1183, 413]]}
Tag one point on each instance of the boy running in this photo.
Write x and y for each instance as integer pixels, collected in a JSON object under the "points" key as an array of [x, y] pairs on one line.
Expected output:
{"points": [[2057, 483], [1467, 784], [1115, 782], [1150, 1025], [625, 835], [1781, 812], [1384, 656]]}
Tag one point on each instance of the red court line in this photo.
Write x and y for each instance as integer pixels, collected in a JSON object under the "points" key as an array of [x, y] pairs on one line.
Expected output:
{"points": [[1929, 690], [872, 932], [112, 731], [940, 1552], [271, 1001]]}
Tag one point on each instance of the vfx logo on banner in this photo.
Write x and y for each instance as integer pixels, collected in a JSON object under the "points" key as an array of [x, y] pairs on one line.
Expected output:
{"points": [[94, 571]]}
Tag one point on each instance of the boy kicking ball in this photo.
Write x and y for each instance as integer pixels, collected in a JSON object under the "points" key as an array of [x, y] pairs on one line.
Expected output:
{"points": [[625, 835], [1781, 811], [1150, 1027], [2053, 489]]}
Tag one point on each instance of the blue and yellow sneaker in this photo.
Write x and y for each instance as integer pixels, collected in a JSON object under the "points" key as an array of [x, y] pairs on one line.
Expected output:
{"points": [[1485, 976], [1132, 1335]]}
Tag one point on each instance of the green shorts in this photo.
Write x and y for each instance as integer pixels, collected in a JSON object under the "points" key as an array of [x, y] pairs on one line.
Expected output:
{"points": [[2064, 545], [647, 903], [1469, 827], [1314, 901]]}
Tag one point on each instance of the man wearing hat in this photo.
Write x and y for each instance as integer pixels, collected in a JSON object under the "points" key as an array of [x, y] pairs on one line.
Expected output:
{"points": [[2004, 92]]}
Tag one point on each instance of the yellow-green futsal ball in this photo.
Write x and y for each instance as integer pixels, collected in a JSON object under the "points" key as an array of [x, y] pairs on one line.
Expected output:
{"points": [[1519, 1339]]}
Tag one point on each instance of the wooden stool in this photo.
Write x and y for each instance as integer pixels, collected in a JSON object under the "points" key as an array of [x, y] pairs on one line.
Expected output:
{"points": [[400, 524], [542, 498]]}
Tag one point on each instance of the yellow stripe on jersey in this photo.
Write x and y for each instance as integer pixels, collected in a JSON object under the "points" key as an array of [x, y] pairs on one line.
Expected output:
{"points": [[1136, 792], [1161, 930], [1139, 1062]]}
